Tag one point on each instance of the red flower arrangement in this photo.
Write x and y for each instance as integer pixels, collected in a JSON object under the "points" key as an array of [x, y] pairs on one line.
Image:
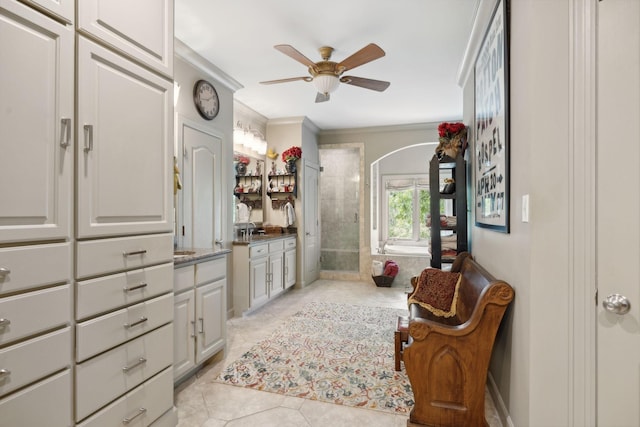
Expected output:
{"points": [[291, 154], [242, 159], [449, 130]]}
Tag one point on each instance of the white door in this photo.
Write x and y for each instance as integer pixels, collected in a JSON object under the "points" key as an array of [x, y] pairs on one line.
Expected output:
{"points": [[201, 204], [36, 112], [311, 250], [210, 318], [124, 158], [618, 213]]}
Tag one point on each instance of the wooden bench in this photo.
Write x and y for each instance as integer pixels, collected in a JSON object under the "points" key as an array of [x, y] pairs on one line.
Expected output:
{"points": [[447, 359]]}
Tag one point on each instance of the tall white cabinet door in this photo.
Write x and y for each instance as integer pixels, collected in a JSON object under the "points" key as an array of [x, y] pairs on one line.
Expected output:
{"points": [[36, 109], [125, 157], [210, 319], [144, 30], [63, 9]]}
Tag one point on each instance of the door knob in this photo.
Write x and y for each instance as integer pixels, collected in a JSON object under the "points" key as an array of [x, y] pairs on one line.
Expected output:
{"points": [[617, 304]]}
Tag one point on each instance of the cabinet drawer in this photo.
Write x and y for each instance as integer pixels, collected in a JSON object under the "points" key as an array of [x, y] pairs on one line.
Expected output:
{"points": [[168, 419], [139, 407], [107, 376], [28, 267], [34, 359], [289, 244], [102, 333], [100, 295], [209, 271], [104, 256], [184, 278], [34, 312], [258, 250], [47, 403], [276, 246]]}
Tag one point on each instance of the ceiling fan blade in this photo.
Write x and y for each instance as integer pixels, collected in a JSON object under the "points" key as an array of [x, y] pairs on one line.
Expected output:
{"points": [[322, 97], [290, 79], [295, 54], [367, 54], [377, 85]]}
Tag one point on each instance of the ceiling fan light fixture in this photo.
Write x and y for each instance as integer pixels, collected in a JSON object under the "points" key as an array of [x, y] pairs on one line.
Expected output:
{"points": [[326, 83]]}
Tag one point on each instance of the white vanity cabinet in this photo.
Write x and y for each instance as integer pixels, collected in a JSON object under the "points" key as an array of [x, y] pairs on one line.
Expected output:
{"points": [[262, 270], [200, 312]]}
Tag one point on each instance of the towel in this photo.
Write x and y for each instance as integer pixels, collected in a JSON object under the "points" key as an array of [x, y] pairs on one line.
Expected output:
{"points": [[243, 213], [289, 214]]}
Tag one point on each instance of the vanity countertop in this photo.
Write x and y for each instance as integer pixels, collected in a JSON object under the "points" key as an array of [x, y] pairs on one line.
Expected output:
{"points": [[190, 255], [262, 238]]}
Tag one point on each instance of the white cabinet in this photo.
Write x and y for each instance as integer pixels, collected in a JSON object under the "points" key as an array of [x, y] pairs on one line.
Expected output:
{"points": [[143, 29], [200, 312], [210, 318], [125, 155], [261, 270], [290, 259], [258, 283], [36, 113]]}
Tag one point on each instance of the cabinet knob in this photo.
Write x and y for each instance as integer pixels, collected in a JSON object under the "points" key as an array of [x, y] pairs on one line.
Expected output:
{"points": [[4, 271], [4, 322]]}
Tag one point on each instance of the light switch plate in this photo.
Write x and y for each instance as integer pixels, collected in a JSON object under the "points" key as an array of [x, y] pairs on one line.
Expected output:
{"points": [[525, 208]]}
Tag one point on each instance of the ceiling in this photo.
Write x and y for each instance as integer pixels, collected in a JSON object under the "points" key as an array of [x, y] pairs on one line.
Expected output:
{"points": [[424, 41]]}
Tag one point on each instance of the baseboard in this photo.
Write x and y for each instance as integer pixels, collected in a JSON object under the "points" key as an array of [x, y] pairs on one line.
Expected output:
{"points": [[503, 412]]}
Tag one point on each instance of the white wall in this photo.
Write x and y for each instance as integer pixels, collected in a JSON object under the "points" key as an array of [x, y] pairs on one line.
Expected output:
{"points": [[531, 362]]}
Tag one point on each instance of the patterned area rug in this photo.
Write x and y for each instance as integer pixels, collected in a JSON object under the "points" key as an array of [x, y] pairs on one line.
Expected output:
{"points": [[337, 353]]}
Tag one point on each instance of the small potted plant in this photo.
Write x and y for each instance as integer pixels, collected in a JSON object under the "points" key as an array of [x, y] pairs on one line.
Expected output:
{"points": [[289, 157]]}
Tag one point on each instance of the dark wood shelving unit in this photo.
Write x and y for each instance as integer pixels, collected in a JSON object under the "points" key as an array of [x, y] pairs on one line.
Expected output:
{"points": [[455, 168]]}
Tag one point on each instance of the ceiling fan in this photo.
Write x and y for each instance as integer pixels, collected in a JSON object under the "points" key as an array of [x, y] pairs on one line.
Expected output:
{"points": [[327, 75]]}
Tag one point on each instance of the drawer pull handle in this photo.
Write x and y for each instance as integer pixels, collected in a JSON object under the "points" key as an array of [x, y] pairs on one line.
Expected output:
{"points": [[4, 271], [134, 288], [4, 373], [139, 362], [65, 132], [127, 420], [136, 323], [4, 322], [88, 138], [201, 331], [138, 252]]}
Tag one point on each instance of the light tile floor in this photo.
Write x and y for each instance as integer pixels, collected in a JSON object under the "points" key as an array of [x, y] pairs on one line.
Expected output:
{"points": [[202, 403]]}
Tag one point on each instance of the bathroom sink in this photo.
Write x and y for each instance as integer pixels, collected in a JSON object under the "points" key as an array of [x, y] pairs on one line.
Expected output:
{"points": [[179, 254]]}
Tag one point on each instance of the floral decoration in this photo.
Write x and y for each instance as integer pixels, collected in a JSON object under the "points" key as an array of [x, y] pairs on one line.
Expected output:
{"points": [[241, 159], [291, 154], [449, 130]]}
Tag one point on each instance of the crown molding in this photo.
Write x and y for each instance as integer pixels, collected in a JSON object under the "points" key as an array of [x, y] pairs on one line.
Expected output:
{"points": [[183, 51], [484, 10]]}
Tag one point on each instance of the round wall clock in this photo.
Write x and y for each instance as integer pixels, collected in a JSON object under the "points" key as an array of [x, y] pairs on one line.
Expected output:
{"points": [[206, 99]]}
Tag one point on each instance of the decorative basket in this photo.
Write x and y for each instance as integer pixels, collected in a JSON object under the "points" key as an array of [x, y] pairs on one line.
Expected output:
{"points": [[383, 281]]}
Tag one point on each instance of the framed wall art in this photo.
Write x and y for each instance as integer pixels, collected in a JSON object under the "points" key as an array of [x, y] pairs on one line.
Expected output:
{"points": [[491, 135]]}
